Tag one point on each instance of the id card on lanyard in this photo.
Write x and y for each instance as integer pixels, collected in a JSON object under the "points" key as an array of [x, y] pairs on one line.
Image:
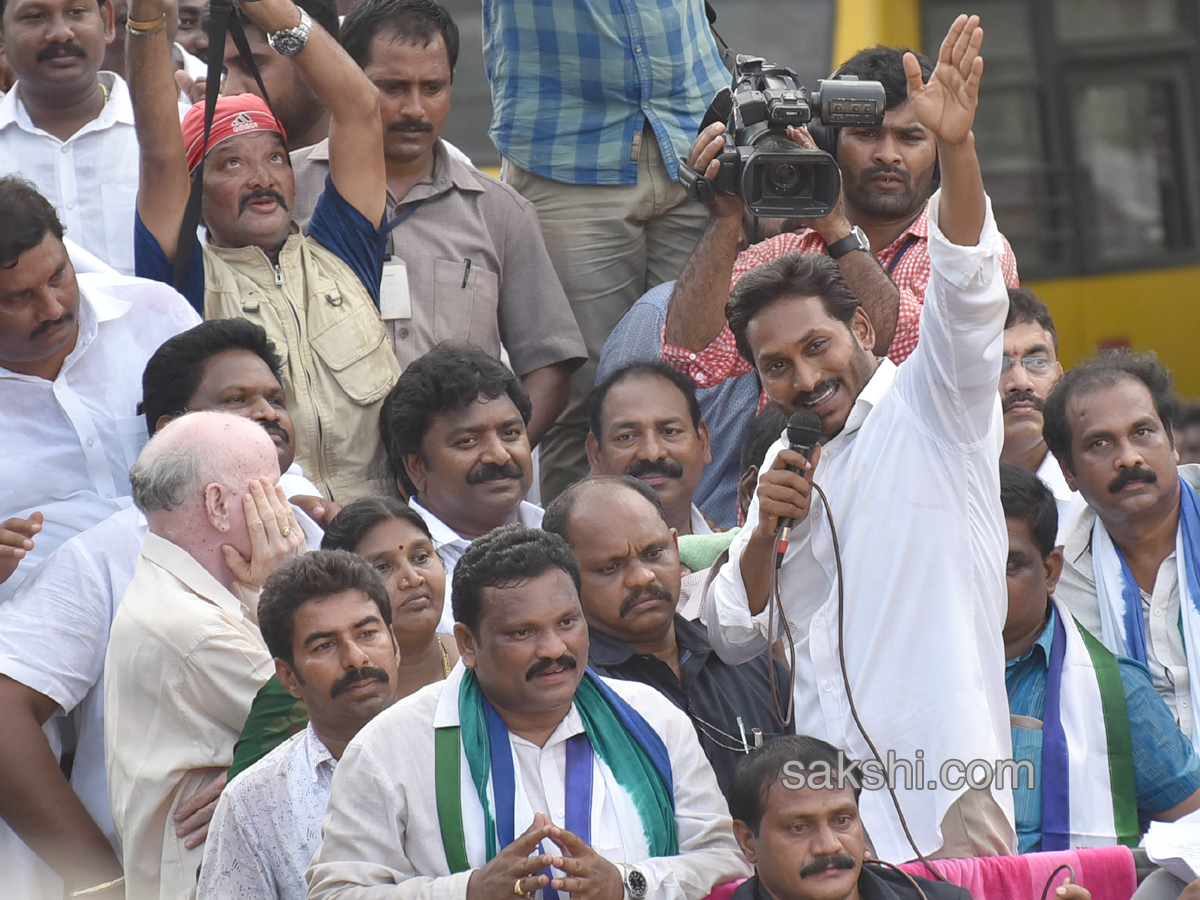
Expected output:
{"points": [[394, 299]]}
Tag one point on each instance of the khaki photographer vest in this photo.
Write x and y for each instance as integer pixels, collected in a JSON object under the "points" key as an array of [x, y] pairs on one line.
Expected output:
{"points": [[337, 363]]}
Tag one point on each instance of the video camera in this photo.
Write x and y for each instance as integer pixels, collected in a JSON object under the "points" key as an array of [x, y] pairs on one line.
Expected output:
{"points": [[759, 162]]}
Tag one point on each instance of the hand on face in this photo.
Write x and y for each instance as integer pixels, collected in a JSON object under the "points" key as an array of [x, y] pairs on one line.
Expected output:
{"points": [[275, 535], [945, 104]]}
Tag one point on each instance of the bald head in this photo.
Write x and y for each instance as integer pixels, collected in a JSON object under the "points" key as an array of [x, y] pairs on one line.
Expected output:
{"points": [[195, 451]]}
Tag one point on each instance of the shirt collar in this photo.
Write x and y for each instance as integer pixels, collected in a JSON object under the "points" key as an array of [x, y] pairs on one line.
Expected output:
{"points": [[182, 565], [606, 651], [448, 173], [1045, 643], [868, 398], [318, 754], [528, 514], [445, 714], [699, 523], [919, 228], [118, 109]]}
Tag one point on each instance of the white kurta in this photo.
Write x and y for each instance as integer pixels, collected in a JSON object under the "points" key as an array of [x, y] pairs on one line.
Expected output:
{"points": [[382, 837], [913, 481]]}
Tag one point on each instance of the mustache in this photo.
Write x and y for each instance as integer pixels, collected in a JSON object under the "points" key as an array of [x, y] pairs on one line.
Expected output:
{"points": [[53, 323], [802, 398], [261, 194], [667, 467], [824, 863], [54, 51], [1128, 476], [657, 591], [410, 125], [1012, 398], [492, 472], [545, 665], [354, 676], [871, 171], [276, 428]]}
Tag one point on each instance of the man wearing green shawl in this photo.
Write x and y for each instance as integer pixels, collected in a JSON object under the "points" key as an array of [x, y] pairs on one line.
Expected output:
{"points": [[524, 774]]}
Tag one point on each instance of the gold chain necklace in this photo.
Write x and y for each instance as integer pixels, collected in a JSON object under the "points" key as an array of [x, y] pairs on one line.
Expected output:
{"points": [[445, 658]]}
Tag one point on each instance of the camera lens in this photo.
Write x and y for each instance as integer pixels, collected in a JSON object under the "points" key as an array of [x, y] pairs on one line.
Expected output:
{"points": [[783, 179]]}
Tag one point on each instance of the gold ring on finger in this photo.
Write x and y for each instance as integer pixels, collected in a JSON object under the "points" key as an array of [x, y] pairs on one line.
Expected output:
{"points": [[286, 530], [517, 889]]}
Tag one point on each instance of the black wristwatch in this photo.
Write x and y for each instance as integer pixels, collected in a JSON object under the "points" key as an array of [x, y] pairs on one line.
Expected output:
{"points": [[855, 240], [635, 882]]}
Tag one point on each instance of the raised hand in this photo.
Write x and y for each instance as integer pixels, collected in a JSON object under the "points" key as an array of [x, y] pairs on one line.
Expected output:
{"points": [[946, 104], [16, 539]]}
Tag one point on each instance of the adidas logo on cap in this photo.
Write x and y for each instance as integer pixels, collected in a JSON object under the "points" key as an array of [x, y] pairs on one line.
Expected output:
{"points": [[243, 122]]}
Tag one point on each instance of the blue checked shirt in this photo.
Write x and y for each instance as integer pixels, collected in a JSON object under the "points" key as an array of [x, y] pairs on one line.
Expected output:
{"points": [[574, 82], [1165, 769]]}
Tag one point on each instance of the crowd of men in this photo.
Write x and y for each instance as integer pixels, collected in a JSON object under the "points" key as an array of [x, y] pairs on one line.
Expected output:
{"points": [[372, 526]]}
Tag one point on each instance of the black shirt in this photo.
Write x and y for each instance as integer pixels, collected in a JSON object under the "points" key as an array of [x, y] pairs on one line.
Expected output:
{"points": [[875, 883], [712, 693]]}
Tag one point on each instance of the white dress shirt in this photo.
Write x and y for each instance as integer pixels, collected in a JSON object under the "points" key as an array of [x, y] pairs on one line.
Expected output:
{"points": [[1052, 476], [69, 442], [1166, 656], [53, 637], [184, 662], [699, 523], [913, 482], [450, 546], [267, 824], [91, 178], [382, 837]]}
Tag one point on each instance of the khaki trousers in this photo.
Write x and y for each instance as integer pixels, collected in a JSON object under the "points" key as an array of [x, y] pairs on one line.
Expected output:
{"points": [[609, 245]]}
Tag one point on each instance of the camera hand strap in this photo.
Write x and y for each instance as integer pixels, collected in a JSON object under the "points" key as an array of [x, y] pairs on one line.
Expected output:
{"points": [[223, 19]]}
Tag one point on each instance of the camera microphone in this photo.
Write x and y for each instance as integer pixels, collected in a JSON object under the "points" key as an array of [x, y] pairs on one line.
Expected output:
{"points": [[803, 433]]}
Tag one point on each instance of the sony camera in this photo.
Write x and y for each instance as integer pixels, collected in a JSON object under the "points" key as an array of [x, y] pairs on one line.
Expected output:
{"points": [[759, 162]]}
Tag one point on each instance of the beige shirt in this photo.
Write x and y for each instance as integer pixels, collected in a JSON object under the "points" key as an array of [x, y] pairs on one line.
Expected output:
{"points": [[382, 836], [1166, 656], [184, 662], [509, 294]]}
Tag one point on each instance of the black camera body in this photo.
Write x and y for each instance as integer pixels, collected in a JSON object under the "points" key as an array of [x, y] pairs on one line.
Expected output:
{"points": [[760, 163]]}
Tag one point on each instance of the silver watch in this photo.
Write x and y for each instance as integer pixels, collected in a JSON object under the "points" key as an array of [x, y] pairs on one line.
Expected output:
{"points": [[635, 882], [290, 41]]}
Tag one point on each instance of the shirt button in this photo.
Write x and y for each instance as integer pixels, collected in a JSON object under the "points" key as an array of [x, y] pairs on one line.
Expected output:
{"points": [[818, 622], [402, 333], [70, 206], [1184, 703], [91, 442], [637, 48], [562, 814], [828, 685], [1158, 611], [646, 104], [66, 149]]}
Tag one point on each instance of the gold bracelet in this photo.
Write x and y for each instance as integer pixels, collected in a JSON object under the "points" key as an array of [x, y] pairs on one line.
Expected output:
{"points": [[146, 27], [98, 888]]}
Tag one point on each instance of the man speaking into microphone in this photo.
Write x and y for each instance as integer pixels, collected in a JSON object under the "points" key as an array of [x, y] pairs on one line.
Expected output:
{"points": [[908, 458]]}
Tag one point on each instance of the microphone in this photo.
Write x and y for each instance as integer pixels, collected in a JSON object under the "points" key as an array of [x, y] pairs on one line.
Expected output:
{"points": [[803, 434]]}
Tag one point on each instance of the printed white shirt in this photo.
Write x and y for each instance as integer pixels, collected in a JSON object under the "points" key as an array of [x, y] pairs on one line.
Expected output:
{"points": [[1166, 655], [184, 662], [91, 178], [382, 835], [267, 824], [70, 442], [913, 482], [450, 546]]}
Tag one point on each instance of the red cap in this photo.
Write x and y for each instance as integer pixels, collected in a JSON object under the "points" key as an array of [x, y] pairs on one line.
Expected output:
{"points": [[234, 115]]}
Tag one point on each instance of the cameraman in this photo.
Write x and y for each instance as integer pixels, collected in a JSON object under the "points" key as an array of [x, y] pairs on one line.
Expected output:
{"points": [[888, 176]]}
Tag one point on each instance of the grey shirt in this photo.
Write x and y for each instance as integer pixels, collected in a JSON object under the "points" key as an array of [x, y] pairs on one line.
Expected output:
{"points": [[509, 294]]}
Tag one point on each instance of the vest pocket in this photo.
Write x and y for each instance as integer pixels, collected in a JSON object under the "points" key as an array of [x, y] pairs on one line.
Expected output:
{"points": [[355, 350]]}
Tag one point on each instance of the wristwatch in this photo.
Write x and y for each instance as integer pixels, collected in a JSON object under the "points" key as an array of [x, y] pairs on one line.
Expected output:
{"points": [[635, 882], [855, 240], [290, 41]]}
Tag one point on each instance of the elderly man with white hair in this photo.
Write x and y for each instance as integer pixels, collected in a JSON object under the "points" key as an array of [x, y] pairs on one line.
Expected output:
{"points": [[185, 657]]}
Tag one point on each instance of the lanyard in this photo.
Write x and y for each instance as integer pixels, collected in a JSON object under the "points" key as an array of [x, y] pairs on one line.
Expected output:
{"points": [[404, 214], [908, 242], [577, 786]]}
